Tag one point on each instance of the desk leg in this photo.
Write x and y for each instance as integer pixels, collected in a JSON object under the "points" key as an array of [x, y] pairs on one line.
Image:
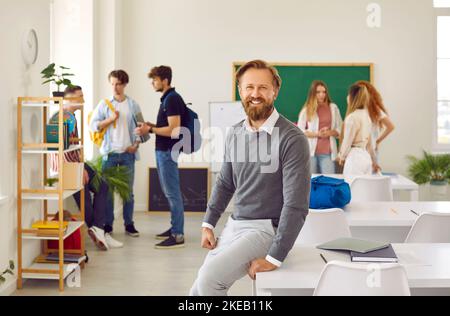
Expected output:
{"points": [[414, 195]]}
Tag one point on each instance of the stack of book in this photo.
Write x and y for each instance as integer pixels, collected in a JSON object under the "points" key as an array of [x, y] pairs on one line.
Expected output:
{"points": [[54, 258], [363, 250], [49, 228]]}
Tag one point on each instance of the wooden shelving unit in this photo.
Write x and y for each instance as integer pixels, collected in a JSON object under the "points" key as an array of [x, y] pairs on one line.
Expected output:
{"points": [[58, 271]]}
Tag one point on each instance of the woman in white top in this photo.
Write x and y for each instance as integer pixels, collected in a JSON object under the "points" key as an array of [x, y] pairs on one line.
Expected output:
{"points": [[382, 125], [356, 153], [321, 122]]}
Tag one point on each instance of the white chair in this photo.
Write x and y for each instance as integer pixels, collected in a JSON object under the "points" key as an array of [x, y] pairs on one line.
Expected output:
{"points": [[323, 226], [372, 189], [350, 279], [430, 228]]}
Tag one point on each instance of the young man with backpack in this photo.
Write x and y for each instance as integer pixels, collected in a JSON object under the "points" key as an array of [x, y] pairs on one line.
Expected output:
{"points": [[168, 129], [113, 123]]}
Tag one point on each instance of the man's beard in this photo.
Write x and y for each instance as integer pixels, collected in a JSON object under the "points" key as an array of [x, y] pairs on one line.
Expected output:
{"points": [[260, 112]]}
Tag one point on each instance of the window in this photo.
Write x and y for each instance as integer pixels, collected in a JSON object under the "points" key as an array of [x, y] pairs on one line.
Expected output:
{"points": [[443, 80], [442, 131], [442, 3]]}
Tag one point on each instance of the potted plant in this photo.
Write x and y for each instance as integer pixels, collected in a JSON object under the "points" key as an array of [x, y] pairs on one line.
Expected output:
{"points": [[9, 270], [432, 169], [59, 78], [51, 183], [117, 178]]}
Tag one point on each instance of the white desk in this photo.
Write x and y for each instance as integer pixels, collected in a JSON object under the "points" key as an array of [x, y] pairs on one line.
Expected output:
{"points": [[388, 221], [427, 267], [399, 183]]}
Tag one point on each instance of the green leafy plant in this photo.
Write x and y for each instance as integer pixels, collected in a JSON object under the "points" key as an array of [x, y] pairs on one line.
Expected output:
{"points": [[51, 182], [431, 169], [117, 178], [9, 270], [58, 77]]}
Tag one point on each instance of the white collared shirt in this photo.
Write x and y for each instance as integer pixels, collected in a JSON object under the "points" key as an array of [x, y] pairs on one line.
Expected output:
{"points": [[268, 125]]}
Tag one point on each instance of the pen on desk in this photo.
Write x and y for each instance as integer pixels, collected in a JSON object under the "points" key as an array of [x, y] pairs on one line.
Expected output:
{"points": [[415, 213], [394, 211], [323, 258]]}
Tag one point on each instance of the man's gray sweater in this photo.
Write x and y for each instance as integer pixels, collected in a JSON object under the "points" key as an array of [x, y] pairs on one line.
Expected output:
{"points": [[269, 176]]}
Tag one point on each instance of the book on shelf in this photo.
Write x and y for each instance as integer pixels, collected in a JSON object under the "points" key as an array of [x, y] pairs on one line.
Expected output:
{"points": [[49, 225], [54, 258]]}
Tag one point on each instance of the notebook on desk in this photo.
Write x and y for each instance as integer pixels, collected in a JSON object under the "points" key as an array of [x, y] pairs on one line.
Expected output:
{"points": [[386, 255], [352, 244]]}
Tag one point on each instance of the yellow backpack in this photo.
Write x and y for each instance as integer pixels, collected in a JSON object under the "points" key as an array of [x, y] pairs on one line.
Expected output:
{"points": [[97, 137]]}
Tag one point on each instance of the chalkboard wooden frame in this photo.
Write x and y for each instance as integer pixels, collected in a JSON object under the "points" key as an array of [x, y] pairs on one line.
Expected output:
{"points": [[370, 67], [208, 172]]}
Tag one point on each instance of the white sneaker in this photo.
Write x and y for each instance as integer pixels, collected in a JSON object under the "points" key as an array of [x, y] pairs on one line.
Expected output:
{"points": [[98, 237], [112, 243]]}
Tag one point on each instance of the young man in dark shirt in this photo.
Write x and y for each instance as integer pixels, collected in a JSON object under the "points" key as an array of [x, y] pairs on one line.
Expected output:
{"points": [[167, 131]]}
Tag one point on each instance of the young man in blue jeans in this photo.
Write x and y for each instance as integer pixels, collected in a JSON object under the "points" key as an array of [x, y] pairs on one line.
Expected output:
{"points": [[120, 145], [167, 131]]}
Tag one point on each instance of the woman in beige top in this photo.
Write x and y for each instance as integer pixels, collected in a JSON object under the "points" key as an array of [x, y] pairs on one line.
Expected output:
{"points": [[382, 125], [356, 153]]}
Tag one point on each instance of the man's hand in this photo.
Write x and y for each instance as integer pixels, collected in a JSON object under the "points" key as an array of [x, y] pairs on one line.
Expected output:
{"points": [[132, 149], [341, 162], [142, 129], [260, 265], [208, 239], [85, 177], [115, 117]]}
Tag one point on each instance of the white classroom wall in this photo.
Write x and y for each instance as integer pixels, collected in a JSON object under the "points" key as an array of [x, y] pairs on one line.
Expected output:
{"points": [[15, 80], [201, 38]]}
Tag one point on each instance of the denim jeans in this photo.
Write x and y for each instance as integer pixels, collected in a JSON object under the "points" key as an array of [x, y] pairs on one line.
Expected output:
{"points": [[322, 164], [115, 160], [169, 178], [95, 210]]}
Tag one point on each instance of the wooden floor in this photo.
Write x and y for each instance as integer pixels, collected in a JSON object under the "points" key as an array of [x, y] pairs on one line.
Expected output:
{"points": [[138, 269]]}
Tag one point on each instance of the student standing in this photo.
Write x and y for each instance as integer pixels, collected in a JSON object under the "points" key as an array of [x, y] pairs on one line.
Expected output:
{"points": [[321, 122], [167, 131], [356, 153], [382, 125], [120, 145]]}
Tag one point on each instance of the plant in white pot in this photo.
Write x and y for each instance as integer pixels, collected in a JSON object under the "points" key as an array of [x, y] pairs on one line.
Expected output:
{"points": [[432, 169]]}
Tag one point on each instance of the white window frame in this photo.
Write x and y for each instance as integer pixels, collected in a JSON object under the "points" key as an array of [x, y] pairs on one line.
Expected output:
{"points": [[437, 147]]}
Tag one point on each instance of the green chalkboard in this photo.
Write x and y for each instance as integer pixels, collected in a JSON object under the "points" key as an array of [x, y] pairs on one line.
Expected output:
{"points": [[297, 79]]}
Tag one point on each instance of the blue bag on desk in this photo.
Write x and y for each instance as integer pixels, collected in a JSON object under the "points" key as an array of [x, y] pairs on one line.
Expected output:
{"points": [[329, 193]]}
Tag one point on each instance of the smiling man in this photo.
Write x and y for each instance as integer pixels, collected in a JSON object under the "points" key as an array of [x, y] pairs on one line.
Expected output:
{"points": [[271, 204]]}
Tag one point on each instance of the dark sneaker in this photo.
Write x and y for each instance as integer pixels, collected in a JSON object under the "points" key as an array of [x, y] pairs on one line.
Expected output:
{"points": [[173, 242], [108, 229], [131, 231], [164, 235]]}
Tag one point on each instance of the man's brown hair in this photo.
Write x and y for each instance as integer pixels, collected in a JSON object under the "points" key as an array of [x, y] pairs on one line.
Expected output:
{"points": [[72, 90], [120, 75], [260, 64], [162, 72]]}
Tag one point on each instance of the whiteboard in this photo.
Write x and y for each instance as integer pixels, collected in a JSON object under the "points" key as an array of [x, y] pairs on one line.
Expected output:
{"points": [[223, 115]]}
